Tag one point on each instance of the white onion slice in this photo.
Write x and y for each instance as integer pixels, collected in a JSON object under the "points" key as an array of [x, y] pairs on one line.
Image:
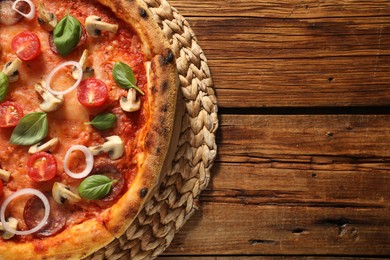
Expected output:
{"points": [[27, 191], [88, 160], [30, 15], [56, 69]]}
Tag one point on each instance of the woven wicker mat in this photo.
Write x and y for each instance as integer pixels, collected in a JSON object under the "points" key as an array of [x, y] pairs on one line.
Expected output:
{"points": [[176, 200]]}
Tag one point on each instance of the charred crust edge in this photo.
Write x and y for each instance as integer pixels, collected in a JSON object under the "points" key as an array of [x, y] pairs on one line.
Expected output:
{"points": [[167, 57], [143, 192], [164, 108], [154, 89], [143, 13], [164, 86], [148, 144]]}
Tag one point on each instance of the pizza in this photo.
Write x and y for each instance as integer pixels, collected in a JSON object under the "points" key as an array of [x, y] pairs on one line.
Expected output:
{"points": [[88, 92]]}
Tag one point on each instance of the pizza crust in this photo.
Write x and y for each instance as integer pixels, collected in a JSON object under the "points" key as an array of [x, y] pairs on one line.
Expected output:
{"points": [[163, 86], [85, 238], [154, 42], [75, 243], [155, 143]]}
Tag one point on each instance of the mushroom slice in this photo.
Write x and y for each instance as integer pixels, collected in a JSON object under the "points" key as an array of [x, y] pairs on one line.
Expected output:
{"points": [[95, 26], [113, 146], [11, 69], [61, 193], [50, 101], [47, 20], [87, 71], [13, 223], [4, 175], [131, 103], [44, 147]]}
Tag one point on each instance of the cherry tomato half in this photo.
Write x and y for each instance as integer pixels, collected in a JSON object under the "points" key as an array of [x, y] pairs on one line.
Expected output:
{"points": [[92, 92], [42, 166], [10, 114], [26, 45]]}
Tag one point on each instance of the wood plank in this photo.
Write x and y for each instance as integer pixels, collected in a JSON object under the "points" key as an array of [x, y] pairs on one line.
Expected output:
{"points": [[335, 160], [251, 257], [274, 62], [265, 38], [175, 257], [295, 185], [224, 229], [308, 160], [308, 185], [251, 209], [305, 138], [282, 9], [291, 184], [260, 45], [314, 195], [328, 82]]}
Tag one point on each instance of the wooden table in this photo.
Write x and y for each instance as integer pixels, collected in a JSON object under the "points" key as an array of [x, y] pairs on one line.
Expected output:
{"points": [[303, 165]]}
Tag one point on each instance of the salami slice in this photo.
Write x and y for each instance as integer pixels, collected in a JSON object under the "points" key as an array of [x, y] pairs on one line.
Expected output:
{"points": [[33, 213], [8, 16], [113, 173]]}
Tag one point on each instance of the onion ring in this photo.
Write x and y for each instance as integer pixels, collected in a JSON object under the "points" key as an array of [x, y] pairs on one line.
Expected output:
{"points": [[27, 191], [88, 159], [30, 15], [56, 69]]}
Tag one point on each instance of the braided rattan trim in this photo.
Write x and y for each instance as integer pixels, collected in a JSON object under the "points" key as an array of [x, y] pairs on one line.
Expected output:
{"points": [[176, 200]]}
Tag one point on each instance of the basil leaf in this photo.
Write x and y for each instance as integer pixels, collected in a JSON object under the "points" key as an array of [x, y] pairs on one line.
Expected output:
{"points": [[95, 187], [67, 34], [31, 129], [124, 76], [3, 85], [103, 121]]}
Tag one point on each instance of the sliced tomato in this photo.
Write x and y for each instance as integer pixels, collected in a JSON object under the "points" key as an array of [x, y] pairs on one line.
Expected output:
{"points": [[42, 166], [34, 211], [92, 92], [1, 187], [10, 114], [26, 45]]}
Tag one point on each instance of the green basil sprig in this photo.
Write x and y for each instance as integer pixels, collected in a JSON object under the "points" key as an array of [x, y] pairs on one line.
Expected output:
{"points": [[31, 129], [3, 85], [124, 76], [95, 187], [103, 121], [67, 34]]}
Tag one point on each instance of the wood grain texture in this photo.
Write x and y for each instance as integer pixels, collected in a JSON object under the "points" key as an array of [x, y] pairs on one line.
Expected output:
{"points": [[281, 9], [267, 229], [314, 136], [296, 185], [295, 181], [295, 53], [251, 257]]}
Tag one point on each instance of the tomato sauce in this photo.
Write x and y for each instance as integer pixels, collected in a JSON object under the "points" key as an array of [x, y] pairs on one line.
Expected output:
{"points": [[68, 123]]}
